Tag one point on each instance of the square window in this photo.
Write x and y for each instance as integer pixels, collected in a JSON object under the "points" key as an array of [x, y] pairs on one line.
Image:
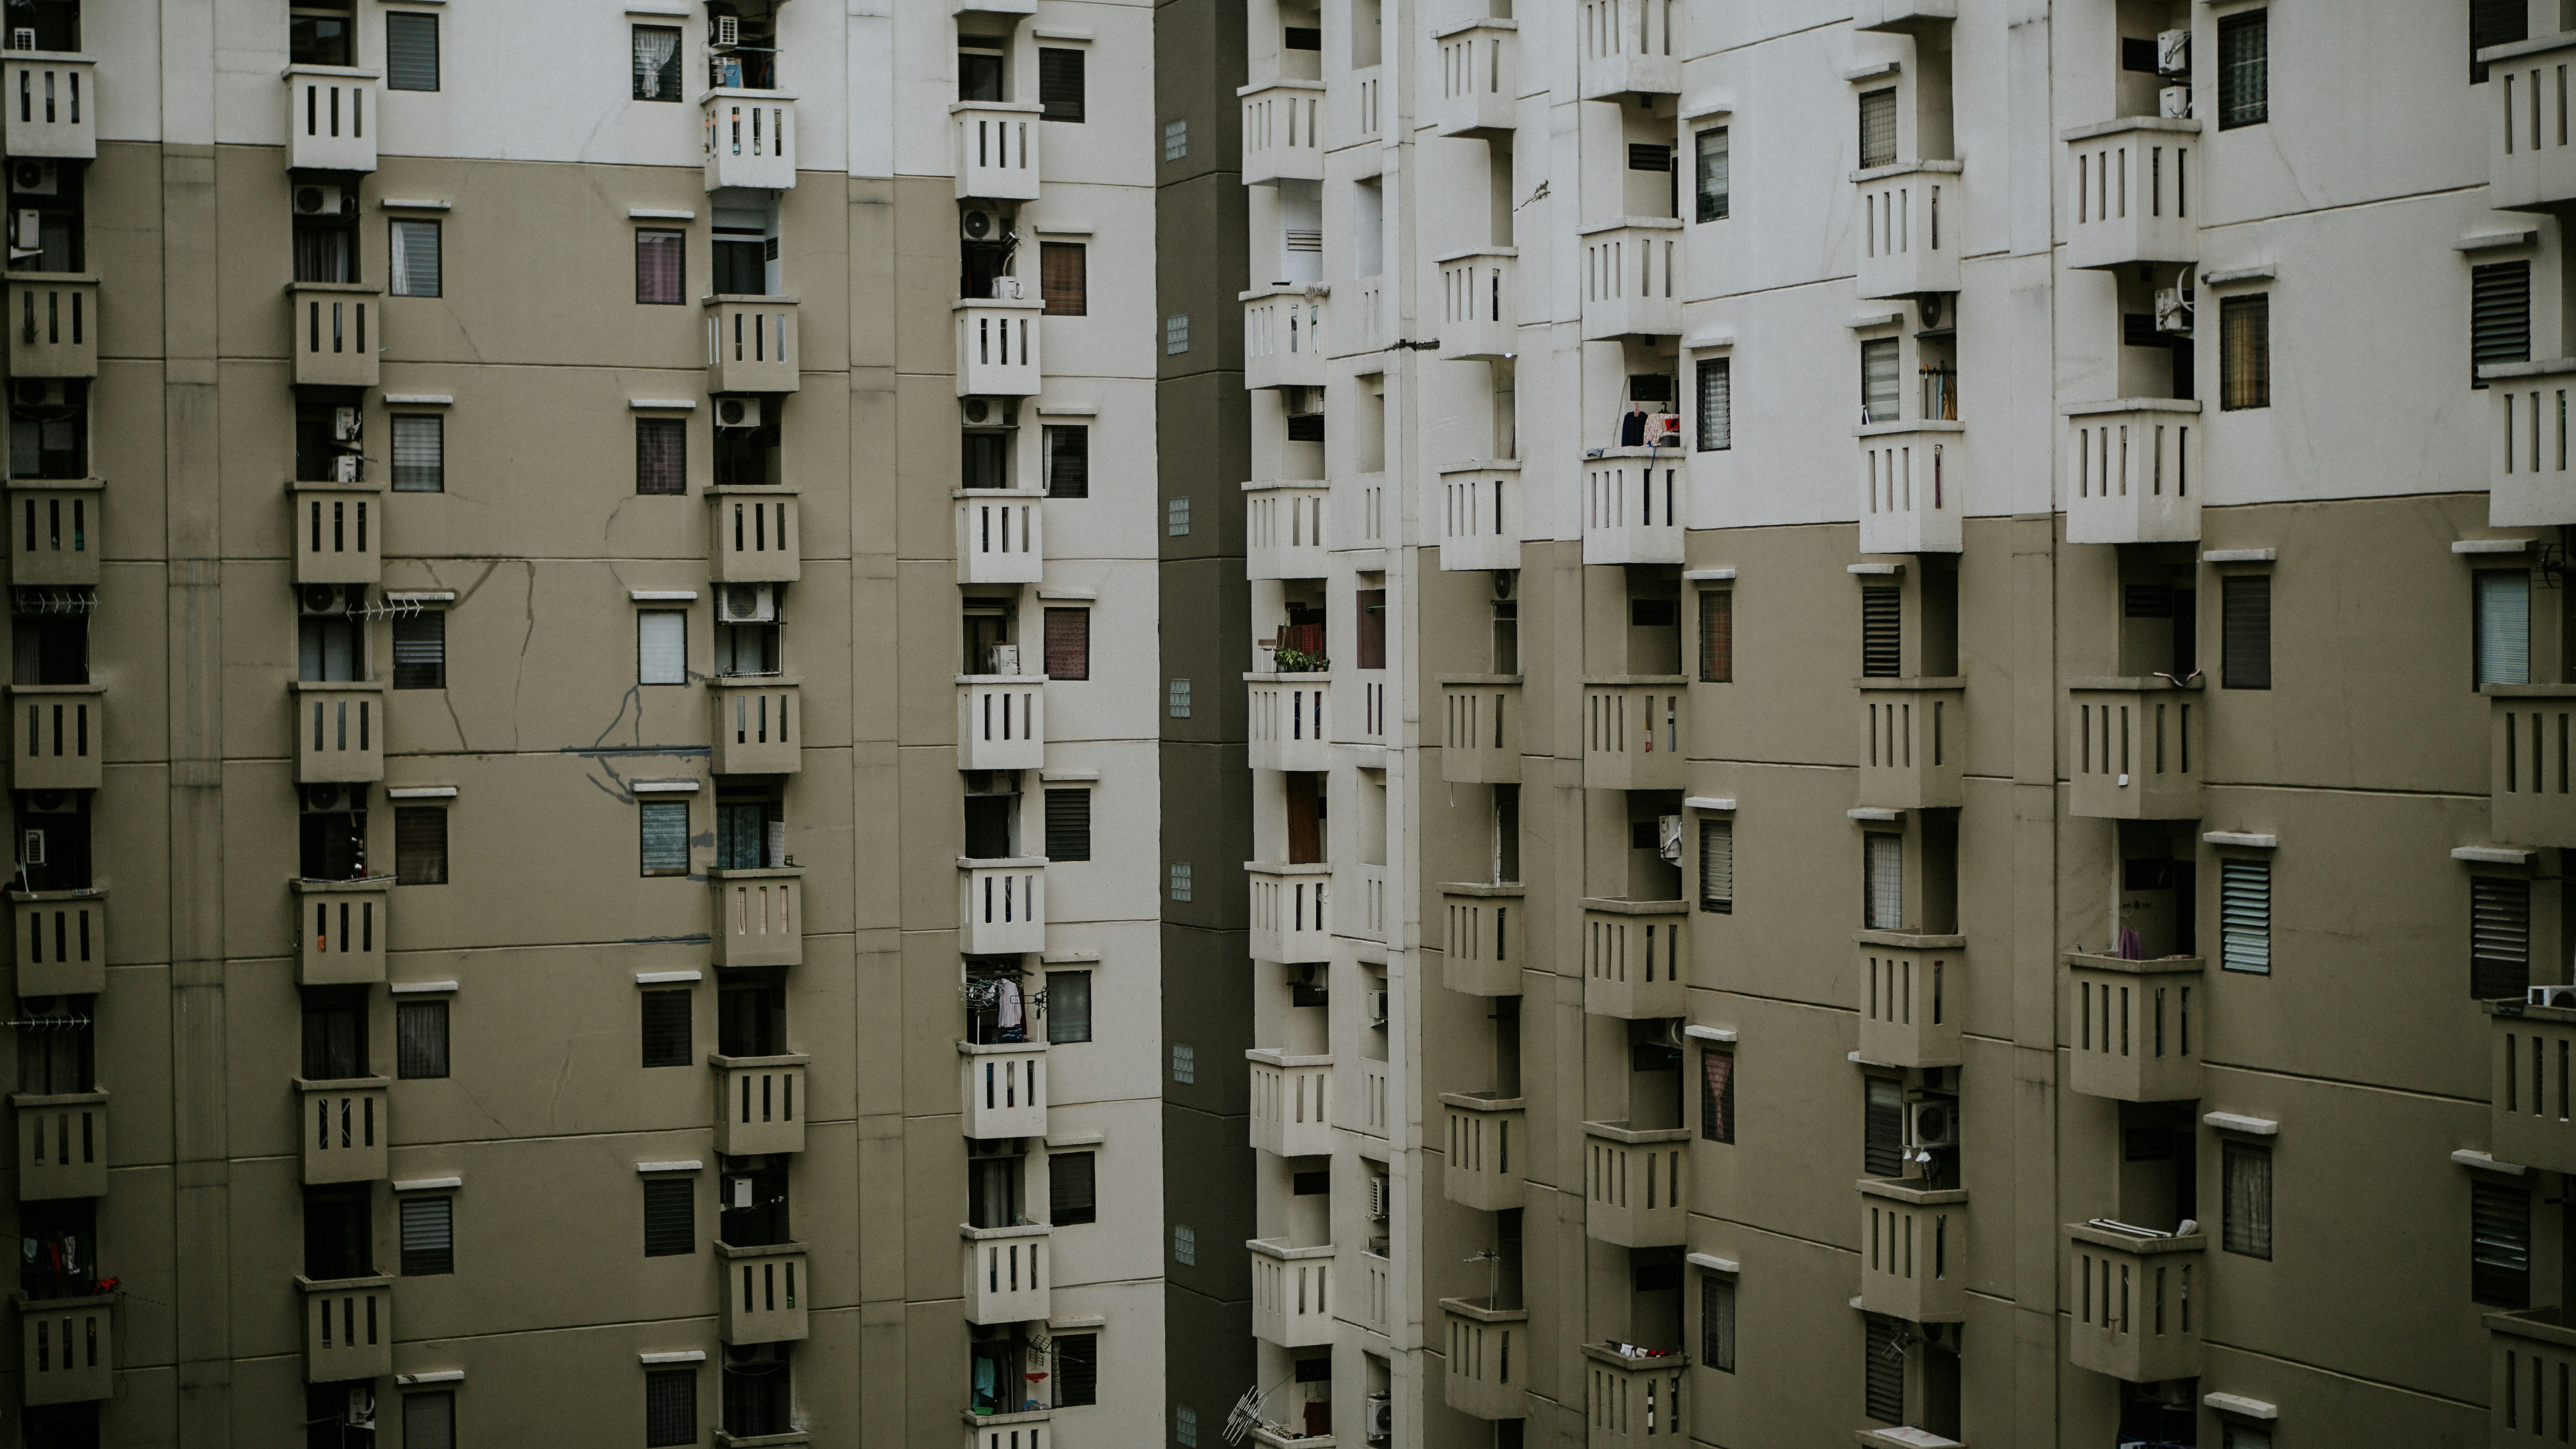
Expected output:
{"points": [[411, 51], [661, 267], [666, 836], [1068, 460], [657, 78], [662, 455], [420, 1040], [1068, 1006], [413, 264], [428, 1236], [420, 650], [1060, 88], [420, 845], [420, 453], [669, 1027], [670, 1216], [661, 646], [670, 1407]]}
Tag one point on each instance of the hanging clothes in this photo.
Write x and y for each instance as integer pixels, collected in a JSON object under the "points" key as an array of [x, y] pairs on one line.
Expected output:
{"points": [[1007, 1014]]}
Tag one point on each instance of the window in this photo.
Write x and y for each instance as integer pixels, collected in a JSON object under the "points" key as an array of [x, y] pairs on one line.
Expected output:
{"points": [[1717, 636], [1647, 156], [1883, 1371], [2244, 69], [2245, 915], [1077, 1370], [670, 1027], [1185, 1245], [420, 1040], [1717, 1096], [666, 836], [2500, 1244], [428, 1236], [1881, 621], [1878, 128], [1711, 145], [2494, 22], [1176, 140], [2247, 1436], [670, 1407], [662, 646], [1176, 517], [420, 453], [420, 650], [1176, 334], [1185, 1063], [1180, 880], [2247, 1200], [1068, 1005], [2245, 632], [1068, 825], [1176, 700], [1716, 405], [1073, 1194], [1883, 1127], [2499, 937], [420, 845], [1068, 643], [1878, 381], [662, 455], [657, 78], [1717, 1322], [670, 1216], [411, 51], [1717, 866], [1063, 277], [429, 1419], [1371, 619], [1883, 854], [2245, 352], [414, 258], [1068, 460], [661, 267], [2504, 627], [1060, 83], [2499, 315]]}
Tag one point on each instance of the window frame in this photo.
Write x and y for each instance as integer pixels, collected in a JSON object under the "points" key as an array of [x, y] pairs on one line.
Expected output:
{"points": [[1050, 437], [417, 1436], [402, 267], [1089, 1211], [1717, 1306], [645, 1008], [2245, 1236], [1076, 302], [405, 814], [1895, 126], [1066, 1395], [397, 19], [433, 1262], [1074, 797], [1701, 154], [2491, 283], [1713, 827], [653, 435], [1076, 111], [1722, 1126], [2235, 106], [669, 75], [1722, 371], [660, 616], [2247, 868], [1716, 651], [2245, 341], [429, 628], [681, 1188], [2480, 623], [646, 810], [1048, 643], [437, 425], [2496, 1282], [677, 1389], [426, 1007], [2240, 591], [647, 273], [1070, 980]]}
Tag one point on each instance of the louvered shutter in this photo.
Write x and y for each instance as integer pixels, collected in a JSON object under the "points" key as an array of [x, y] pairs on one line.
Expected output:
{"points": [[2246, 1200], [1881, 624], [1077, 1370], [1885, 869], [2245, 352], [1717, 636], [2245, 632], [1068, 825], [1878, 128], [420, 650], [668, 1028], [428, 1238], [1883, 1376], [1060, 84], [670, 1217], [1068, 643], [1717, 866], [662, 646], [1883, 1129], [1716, 405], [1717, 1322], [2499, 315], [2499, 937], [420, 453], [2504, 628], [1878, 380], [2500, 1244], [2245, 915], [666, 836], [1717, 1096], [411, 51]]}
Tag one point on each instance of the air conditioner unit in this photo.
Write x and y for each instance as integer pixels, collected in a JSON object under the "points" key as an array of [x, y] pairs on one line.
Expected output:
{"points": [[1303, 401], [747, 604], [42, 393], [2173, 52], [1379, 1198], [738, 412], [1663, 430], [1668, 838], [321, 600], [738, 1192], [31, 848], [1009, 289], [2559, 996], [22, 38], [346, 468], [362, 1409], [33, 178], [724, 30], [52, 802], [2174, 103], [323, 799], [1379, 1417], [1932, 1124], [347, 424], [2173, 311], [26, 233], [317, 200], [976, 224], [1006, 659], [1377, 1008]]}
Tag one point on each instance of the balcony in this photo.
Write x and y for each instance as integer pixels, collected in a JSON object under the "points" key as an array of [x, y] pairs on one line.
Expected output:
{"points": [[2132, 465], [1001, 721], [2531, 803], [1484, 955], [1485, 1379], [2526, 1353], [756, 1109], [1479, 308], [757, 724], [2528, 484], [1910, 476], [759, 916], [763, 1301], [753, 535], [1626, 48], [345, 1128], [2135, 1314], [62, 735], [1001, 906], [1283, 337], [1632, 733], [1291, 1293], [56, 533], [2530, 166], [53, 324], [67, 1349], [61, 941], [1914, 1254], [2136, 748], [348, 1328], [1634, 954], [56, 115], [1905, 252], [1635, 1185], [1283, 530], [2129, 204], [1480, 516], [1001, 535], [1913, 991], [997, 347], [751, 139], [1913, 735], [1288, 912], [2135, 1028], [1290, 1115], [339, 732], [62, 1145], [344, 926], [339, 532], [1003, 1088], [1629, 273], [997, 149], [1006, 1274], [329, 333], [1632, 505], [1282, 132], [2528, 1109], [1009, 1431], [1479, 1173], [1480, 742], [751, 344], [331, 118], [1479, 92], [1633, 1403]]}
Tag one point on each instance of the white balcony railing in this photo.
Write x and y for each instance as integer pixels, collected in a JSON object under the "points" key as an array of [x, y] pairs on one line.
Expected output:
{"points": [[1290, 917], [1007, 1274], [1910, 235], [2130, 193], [1001, 721], [1289, 713], [1283, 337], [1003, 1089], [1632, 502], [2130, 471], [2528, 484], [751, 139], [1282, 132], [1001, 535], [1479, 91], [997, 149], [51, 105], [330, 118], [1283, 530], [1911, 475], [1003, 907], [1630, 276], [1480, 515], [1291, 1293], [1626, 47], [997, 347], [1479, 304], [1290, 1115]]}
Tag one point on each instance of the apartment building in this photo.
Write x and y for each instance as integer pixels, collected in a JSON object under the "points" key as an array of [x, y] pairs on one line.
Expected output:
{"points": [[583, 740], [1899, 655]]}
